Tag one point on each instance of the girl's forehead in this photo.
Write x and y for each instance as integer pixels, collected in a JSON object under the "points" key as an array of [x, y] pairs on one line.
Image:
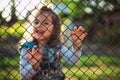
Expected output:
{"points": [[44, 16]]}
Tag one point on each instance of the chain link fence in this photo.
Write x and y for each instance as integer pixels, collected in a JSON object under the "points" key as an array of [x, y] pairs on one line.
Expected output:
{"points": [[100, 58]]}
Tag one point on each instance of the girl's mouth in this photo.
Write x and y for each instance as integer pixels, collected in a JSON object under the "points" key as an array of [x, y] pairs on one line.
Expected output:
{"points": [[39, 32]]}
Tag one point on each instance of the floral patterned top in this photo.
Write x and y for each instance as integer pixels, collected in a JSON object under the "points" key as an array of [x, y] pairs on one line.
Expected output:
{"points": [[50, 68]]}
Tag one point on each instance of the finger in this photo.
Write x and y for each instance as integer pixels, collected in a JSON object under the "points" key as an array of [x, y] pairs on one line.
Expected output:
{"points": [[81, 29], [28, 57], [34, 49], [83, 36], [28, 51], [72, 33], [39, 52], [86, 33], [75, 28]]}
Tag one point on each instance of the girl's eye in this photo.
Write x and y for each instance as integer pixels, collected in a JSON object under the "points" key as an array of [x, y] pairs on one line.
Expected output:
{"points": [[36, 23], [45, 23]]}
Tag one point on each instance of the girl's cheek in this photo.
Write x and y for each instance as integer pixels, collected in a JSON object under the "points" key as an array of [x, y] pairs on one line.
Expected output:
{"points": [[34, 29], [50, 27]]}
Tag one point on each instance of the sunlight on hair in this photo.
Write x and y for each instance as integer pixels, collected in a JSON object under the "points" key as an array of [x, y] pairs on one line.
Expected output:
{"points": [[31, 18]]}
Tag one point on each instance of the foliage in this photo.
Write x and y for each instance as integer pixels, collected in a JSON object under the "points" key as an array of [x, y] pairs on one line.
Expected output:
{"points": [[87, 68], [15, 31], [98, 16], [13, 19]]}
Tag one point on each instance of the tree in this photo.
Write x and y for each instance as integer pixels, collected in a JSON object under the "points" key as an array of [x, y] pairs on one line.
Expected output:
{"points": [[13, 16], [102, 18]]}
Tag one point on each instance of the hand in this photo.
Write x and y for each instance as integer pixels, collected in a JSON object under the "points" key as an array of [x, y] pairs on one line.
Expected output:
{"points": [[35, 57], [77, 36]]}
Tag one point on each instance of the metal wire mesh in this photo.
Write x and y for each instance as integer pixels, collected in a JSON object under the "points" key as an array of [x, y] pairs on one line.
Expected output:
{"points": [[100, 59]]}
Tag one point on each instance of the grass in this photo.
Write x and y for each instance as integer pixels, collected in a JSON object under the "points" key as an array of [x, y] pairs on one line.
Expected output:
{"points": [[9, 68], [87, 68]]}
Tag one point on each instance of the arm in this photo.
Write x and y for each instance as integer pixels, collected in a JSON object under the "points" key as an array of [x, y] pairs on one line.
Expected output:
{"points": [[71, 55], [26, 68]]}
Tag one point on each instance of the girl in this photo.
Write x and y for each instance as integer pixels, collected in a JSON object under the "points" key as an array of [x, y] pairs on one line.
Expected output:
{"points": [[40, 58]]}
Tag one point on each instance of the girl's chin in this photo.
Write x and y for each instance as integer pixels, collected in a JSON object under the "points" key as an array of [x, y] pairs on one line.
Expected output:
{"points": [[37, 36], [40, 38]]}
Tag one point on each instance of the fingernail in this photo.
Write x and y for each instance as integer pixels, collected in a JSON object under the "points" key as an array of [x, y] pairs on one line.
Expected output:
{"points": [[34, 46], [75, 27], [86, 33], [80, 27]]}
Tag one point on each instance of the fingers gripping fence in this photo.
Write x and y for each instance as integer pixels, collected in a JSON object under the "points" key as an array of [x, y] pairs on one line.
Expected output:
{"points": [[83, 45]]}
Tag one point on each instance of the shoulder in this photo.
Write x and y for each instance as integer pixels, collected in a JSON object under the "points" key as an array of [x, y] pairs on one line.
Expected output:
{"points": [[28, 44]]}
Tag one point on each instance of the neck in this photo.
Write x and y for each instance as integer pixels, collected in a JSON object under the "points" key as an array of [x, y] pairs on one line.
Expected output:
{"points": [[41, 44]]}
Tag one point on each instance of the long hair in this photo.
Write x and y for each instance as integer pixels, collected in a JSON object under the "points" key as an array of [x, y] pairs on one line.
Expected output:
{"points": [[55, 37]]}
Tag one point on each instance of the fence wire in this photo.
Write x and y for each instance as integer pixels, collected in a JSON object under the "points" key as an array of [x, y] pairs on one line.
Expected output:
{"points": [[100, 52]]}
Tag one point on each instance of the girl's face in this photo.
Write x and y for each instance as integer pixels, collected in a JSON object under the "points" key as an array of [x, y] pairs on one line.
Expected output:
{"points": [[43, 27]]}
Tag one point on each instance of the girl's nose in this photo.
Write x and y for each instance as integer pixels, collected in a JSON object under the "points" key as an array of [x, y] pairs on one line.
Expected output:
{"points": [[39, 27]]}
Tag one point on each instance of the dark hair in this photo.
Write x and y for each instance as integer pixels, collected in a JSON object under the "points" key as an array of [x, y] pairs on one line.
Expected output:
{"points": [[55, 37]]}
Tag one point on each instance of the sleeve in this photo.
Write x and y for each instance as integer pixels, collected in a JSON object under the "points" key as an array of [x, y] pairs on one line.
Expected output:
{"points": [[71, 55], [26, 69]]}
